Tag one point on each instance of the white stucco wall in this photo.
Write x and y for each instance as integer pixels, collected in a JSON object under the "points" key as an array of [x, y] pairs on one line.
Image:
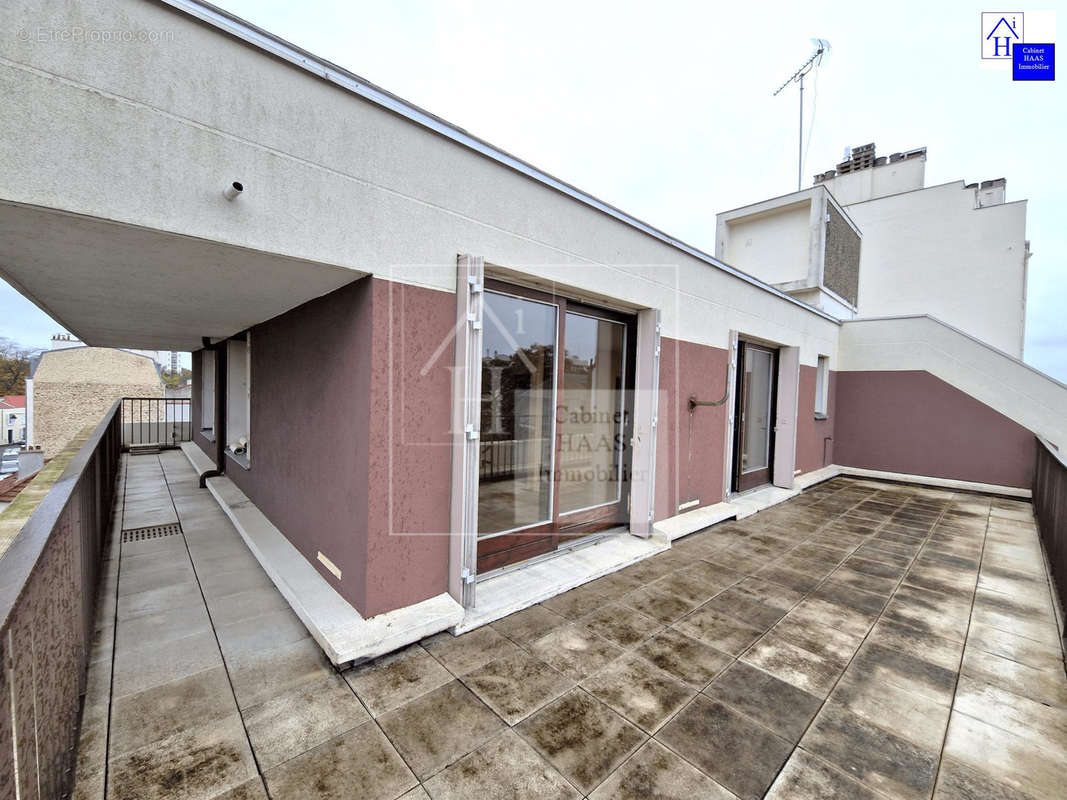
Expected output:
{"points": [[775, 245], [887, 179], [932, 252], [330, 177]]}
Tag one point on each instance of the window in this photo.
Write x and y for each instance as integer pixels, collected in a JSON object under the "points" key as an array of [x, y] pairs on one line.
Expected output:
{"points": [[238, 373], [822, 385], [207, 393]]}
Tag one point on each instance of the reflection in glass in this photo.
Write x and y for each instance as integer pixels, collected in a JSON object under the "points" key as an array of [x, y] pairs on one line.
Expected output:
{"points": [[757, 404], [591, 413], [518, 380]]}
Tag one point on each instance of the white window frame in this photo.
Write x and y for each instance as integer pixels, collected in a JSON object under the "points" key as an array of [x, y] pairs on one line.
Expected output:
{"points": [[207, 393], [238, 397], [822, 387]]}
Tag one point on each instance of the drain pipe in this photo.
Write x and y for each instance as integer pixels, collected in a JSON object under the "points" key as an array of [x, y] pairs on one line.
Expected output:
{"points": [[219, 349]]}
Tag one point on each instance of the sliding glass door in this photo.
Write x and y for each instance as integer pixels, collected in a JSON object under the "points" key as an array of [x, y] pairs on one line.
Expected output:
{"points": [[555, 423]]}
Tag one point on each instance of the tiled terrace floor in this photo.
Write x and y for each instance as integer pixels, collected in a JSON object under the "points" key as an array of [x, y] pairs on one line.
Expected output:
{"points": [[862, 640]]}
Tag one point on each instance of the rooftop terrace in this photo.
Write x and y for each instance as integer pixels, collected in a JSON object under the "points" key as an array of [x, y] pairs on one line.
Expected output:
{"points": [[862, 640]]}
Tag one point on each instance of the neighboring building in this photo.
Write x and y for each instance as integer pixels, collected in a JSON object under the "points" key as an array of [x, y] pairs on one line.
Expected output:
{"points": [[73, 387], [13, 411], [871, 239], [433, 384], [67, 341]]}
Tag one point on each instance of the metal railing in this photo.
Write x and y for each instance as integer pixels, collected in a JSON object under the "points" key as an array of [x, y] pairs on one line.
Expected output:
{"points": [[1050, 508], [48, 585], [156, 421]]}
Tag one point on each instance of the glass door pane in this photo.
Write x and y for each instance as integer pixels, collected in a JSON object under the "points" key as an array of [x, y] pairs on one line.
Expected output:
{"points": [[759, 377], [517, 420], [591, 413]]}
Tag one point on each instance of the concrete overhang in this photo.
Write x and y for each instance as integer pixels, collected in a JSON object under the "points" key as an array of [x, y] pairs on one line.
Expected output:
{"points": [[118, 285]]}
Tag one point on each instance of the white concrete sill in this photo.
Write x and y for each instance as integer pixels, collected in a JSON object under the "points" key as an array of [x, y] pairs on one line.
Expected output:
{"points": [[244, 462], [200, 460], [513, 591], [343, 634]]}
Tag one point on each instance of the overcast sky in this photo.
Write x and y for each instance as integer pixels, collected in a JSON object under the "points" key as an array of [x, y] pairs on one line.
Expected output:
{"points": [[665, 109]]}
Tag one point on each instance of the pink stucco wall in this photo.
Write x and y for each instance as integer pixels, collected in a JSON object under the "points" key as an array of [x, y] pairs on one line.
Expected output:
{"points": [[814, 436], [690, 451], [915, 423], [689, 447], [350, 443]]}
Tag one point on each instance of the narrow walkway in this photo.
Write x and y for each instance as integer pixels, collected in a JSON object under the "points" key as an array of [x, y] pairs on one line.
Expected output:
{"points": [[863, 640]]}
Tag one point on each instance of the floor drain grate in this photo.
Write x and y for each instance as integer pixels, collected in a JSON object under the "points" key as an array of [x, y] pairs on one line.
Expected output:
{"points": [[151, 532]]}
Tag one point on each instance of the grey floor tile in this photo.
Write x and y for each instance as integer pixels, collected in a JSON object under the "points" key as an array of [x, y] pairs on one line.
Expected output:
{"points": [[834, 590], [882, 760], [958, 782], [575, 603], [1044, 686], [805, 777], [658, 603], [930, 612], [271, 630], [133, 581], [301, 719], [239, 606], [261, 675], [820, 612], [504, 767], [639, 691], [162, 627], [830, 644], [439, 728], [740, 605], [945, 653], [721, 631], [574, 651], [620, 625], [462, 654], [918, 719], [691, 661], [152, 664], [907, 671], [250, 790], [656, 772], [794, 664], [360, 763], [727, 746], [774, 703], [152, 601], [581, 737], [195, 764], [233, 581], [390, 681], [516, 685], [153, 714], [1041, 723], [529, 624], [1004, 758]]}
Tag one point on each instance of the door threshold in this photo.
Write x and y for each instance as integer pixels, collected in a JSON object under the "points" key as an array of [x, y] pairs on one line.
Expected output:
{"points": [[508, 592], [563, 549]]}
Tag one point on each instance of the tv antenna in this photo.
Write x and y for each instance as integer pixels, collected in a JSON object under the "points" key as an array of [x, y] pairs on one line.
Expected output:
{"points": [[822, 46]]}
